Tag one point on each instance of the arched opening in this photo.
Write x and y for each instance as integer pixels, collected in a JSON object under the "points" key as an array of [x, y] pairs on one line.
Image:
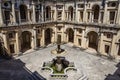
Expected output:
{"points": [[3, 51], [48, 35], [93, 39], [25, 41], [70, 10], [48, 13], [70, 33], [119, 47], [23, 13], [96, 10]]}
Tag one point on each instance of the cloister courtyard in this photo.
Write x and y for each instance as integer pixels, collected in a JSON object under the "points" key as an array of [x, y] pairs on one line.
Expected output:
{"points": [[92, 66]]}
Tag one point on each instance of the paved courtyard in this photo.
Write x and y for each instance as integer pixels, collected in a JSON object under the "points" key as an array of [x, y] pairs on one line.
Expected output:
{"points": [[94, 67]]}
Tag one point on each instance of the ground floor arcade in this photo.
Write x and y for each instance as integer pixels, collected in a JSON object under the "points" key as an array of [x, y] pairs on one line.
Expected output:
{"points": [[20, 40]]}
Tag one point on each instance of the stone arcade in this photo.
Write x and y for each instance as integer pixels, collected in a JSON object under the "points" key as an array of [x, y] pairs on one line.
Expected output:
{"points": [[30, 24]]}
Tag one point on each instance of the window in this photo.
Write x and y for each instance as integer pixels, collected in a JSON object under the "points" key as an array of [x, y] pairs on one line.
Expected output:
{"points": [[109, 35], [80, 30], [11, 35], [107, 47], [102, 15], [12, 48], [112, 17], [79, 41], [80, 5]]}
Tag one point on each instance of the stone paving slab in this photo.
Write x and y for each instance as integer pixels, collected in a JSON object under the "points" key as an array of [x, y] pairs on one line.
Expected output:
{"points": [[94, 67]]}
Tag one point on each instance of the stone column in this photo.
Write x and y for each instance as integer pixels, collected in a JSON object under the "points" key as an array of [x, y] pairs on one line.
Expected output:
{"points": [[5, 39], [28, 13], [83, 41], [42, 13], [75, 37], [100, 46], [51, 15], [118, 14], [85, 13], [35, 38], [33, 16], [56, 33], [63, 13], [55, 15], [77, 15], [1, 17], [90, 19], [18, 48], [99, 19], [43, 38], [113, 46], [105, 13], [13, 12]]}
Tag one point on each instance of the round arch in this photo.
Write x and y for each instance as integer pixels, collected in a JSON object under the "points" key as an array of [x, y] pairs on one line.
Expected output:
{"points": [[26, 40], [93, 39], [23, 12], [70, 33], [48, 36], [96, 10], [70, 10]]}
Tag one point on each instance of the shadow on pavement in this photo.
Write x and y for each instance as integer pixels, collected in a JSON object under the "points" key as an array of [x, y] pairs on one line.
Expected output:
{"points": [[116, 75], [14, 69]]}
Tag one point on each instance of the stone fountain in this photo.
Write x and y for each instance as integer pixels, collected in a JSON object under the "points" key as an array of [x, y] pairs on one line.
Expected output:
{"points": [[58, 50]]}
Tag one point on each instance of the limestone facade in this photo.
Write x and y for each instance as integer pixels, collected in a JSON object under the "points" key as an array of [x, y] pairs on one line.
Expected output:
{"points": [[31, 24]]}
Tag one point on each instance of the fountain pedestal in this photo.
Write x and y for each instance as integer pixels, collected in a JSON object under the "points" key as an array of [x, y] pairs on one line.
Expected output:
{"points": [[58, 50]]}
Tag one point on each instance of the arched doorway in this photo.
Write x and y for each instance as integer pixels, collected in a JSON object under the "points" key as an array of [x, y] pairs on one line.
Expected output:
{"points": [[23, 13], [70, 33], [93, 39], [48, 35], [96, 10], [26, 40], [70, 10], [48, 13]]}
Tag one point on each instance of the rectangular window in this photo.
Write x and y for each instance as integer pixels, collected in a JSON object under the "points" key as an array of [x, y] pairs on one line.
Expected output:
{"points": [[102, 15], [79, 41], [107, 47], [12, 48], [11, 35], [88, 16], [112, 17]]}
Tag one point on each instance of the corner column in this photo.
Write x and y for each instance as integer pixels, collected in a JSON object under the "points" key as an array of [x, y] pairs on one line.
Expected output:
{"points": [[18, 48]]}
